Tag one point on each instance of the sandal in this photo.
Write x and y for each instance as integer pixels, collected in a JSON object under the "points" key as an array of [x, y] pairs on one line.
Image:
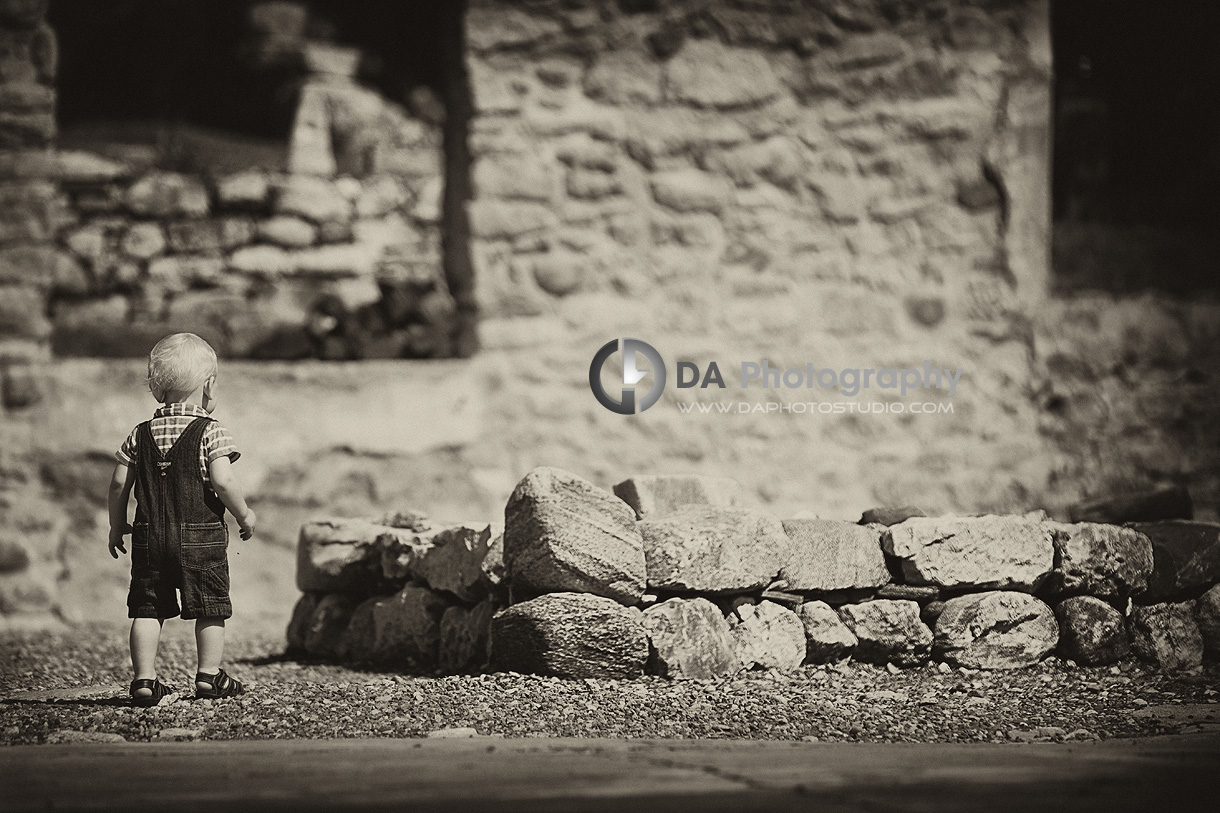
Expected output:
{"points": [[159, 690], [222, 685]]}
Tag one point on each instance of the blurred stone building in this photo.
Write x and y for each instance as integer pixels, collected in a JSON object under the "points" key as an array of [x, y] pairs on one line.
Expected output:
{"points": [[854, 183]]}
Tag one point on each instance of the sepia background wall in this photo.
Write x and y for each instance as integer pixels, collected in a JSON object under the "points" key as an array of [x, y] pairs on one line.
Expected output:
{"points": [[853, 184]]}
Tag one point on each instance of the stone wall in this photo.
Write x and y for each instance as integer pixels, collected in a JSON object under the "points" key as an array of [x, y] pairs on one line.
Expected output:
{"points": [[333, 254], [861, 185], [676, 576]]}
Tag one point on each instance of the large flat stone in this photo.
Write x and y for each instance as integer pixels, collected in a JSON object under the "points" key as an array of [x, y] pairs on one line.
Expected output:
{"points": [[690, 639], [651, 495], [828, 554], [574, 635], [1099, 560], [995, 630], [972, 552], [335, 555], [562, 533], [454, 561], [713, 550], [1185, 558]]}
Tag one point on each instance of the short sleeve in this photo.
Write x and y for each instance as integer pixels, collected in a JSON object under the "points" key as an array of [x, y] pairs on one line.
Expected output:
{"points": [[217, 442], [127, 452]]}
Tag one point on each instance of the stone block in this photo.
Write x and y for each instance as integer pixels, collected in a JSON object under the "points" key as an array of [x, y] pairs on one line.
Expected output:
{"points": [[298, 625], [23, 312], [38, 266], [178, 273], [465, 642], [194, 236], [888, 631], [453, 562], [142, 241], [1091, 632], [690, 639], [246, 190], [315, 199], [506, 219], [514, 178], [1207, 616], [69, 166], [358, 642], [1167, 635], [327, 623], [827, 638], [829, 554], [263, 261], [407, 627], [492, 27], [1185, 558], [167, 194], [768, 636], [972, 552], [705, 73], [691, 190], [1099, 560], [651, 495], [340, 260], [381, 195], [624, 76], [335, 555], [995, 630], [708, 549], [562, 533], [575, 635], [287, 231]]}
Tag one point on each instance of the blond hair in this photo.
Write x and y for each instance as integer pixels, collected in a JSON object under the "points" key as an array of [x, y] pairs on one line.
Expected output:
{"points": [[179, 364]]}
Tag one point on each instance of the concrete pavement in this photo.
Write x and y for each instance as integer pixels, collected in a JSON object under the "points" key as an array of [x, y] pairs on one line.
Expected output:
{"points": [[1168, 773]]}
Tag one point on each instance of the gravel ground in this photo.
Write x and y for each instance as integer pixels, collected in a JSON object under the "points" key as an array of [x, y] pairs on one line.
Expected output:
{"points": [[294, 699]]}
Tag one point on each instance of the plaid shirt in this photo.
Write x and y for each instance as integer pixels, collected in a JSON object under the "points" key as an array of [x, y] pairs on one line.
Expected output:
{"points": [[168, 423]]}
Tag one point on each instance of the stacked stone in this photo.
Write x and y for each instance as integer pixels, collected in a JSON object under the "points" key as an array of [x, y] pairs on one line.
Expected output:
{"points": [[399, 591], [339, 257], [30, 207], [671, 575], [690, 136], [264, 264]]}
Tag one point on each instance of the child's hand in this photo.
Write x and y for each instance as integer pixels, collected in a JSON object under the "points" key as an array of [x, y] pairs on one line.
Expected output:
{"points": [[247, 525], [116, 540]]}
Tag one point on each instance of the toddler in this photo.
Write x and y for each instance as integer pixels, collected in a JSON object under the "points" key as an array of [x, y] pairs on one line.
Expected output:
{"points": [[178, 463]]}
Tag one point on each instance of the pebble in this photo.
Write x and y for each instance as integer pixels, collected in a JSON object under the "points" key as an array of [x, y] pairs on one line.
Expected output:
{"points": [[452, 734], [177, 734], [314, 699]]}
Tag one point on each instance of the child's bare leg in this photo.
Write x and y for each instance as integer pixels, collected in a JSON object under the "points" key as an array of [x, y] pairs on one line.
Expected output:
{"points": [[210, 640], [145, 635]]}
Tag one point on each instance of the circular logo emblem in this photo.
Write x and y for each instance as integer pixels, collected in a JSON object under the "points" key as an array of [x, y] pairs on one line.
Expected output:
{"points": [[625, 404]]}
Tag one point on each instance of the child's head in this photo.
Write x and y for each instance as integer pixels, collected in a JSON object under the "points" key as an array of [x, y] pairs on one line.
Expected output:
{"points": [[179, 365]]}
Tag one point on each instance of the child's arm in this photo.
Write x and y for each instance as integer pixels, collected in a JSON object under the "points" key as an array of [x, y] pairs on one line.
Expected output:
{"points": [[116, 502], [225, 486]]}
